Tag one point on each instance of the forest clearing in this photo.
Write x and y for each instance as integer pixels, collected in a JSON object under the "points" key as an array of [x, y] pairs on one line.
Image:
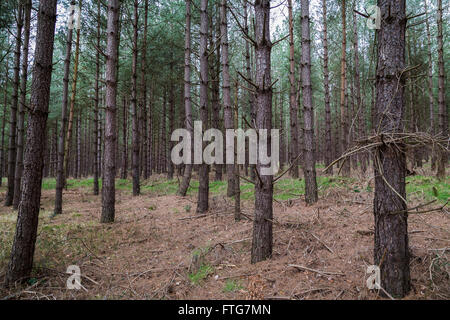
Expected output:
{"points": [[224, 150]]}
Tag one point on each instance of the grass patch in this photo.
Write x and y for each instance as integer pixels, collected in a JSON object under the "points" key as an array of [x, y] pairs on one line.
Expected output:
{"points": [[202, 273], [232, 286], [428, 188]]}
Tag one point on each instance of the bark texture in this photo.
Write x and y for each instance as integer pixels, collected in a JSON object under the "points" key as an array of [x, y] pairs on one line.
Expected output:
{"points": [[262, 224], [22, 106], [109, 188], [187, 97], [21, 262], [308, 113], [203, 189], [391, 251], [12, 150]]}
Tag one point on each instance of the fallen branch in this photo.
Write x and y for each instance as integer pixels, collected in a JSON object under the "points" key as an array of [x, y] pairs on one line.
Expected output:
{"points": [[324, 273]]}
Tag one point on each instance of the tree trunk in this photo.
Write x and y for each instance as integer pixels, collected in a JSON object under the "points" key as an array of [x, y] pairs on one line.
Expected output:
{"points": [[187, 97], [78, 171], [144, 91], [12, 150], [308, 113], [237, 182], [293, 105], [251, 96], [96, 106], [215, 86], [344, 124], [226, 89], [109, 188], [60, 179], [203, 189], [72, 104], [391, 227], [23, 95], [171, 168], [430, 85], [359, 104], [326, 84], [134, 112], [22, 252], [124, 173], [262, 224], [5, 103], [443, 114]]}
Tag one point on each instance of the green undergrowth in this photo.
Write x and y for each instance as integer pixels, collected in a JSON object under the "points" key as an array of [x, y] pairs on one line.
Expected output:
{"points": [[428, 188], [421, 187]]}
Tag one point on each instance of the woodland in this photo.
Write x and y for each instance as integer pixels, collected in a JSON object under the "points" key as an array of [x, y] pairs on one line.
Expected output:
{"points": [[352, 94]]}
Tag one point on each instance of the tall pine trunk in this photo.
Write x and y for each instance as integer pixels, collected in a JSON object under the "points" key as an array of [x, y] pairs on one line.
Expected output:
{"points": [[343, 101], [12, 149], [308, 113], [109, 188], [5, 103], [96, 105], [262, 224], [22, 252], [326, 84], [391, 251], [62, 135], [203, 189], [134, 110], [359, 104], [72, 104], [226, 89], [443, 113], [22, 105], [293, 105], [187, 97]]}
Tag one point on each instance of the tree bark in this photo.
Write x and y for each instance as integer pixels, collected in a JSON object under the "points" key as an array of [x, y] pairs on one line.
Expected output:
{"points": [[144, 92], [187, 97], [23, 95], [443, 114], [96, 105], [226, 89], [326, 84], [5, 103], [262, 224], [359, 103], [12, 149], [251, 96], [344, 124], [22, 252], [72, 104], [391, 251], [134, 112], [171, 168], [308, 113], [293, 105], [109, 188], [203, 189]]}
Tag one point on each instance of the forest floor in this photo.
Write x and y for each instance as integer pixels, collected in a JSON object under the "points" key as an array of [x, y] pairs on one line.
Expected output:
{"points": [[159, 249]]}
